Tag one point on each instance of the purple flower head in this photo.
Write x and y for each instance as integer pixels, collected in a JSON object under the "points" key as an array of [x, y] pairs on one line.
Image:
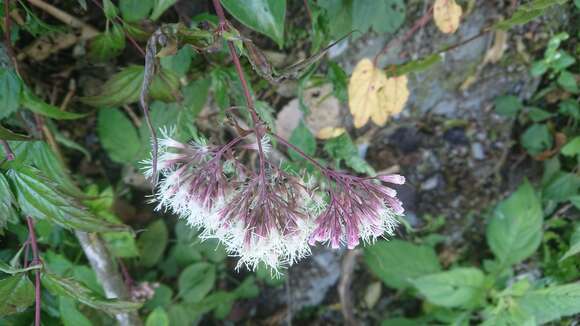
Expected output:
{"points": [[358, 208], [268, 219]]}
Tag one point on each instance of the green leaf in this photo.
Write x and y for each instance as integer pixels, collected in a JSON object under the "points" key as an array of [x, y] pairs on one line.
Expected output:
{"points": [[339, 81], [152, 243], [195, 96], [572, 148], [568, 82], [41, 198], [10, 87], [528, 12], [508, 105], [415, 66], [539, 115], [180, 62], [459, 287], [263, 16], [570, 107], [161, 298], [515, 230], [574, 243], [70, 314], [157, 317], [36, 105], [7, 201], [42, 156], [384, 16], [109, 9], [5, 268], [118, 136], [196, 281], [398, 262], [342, 148], [552, 303], [303, 139], [6, 134], [160, 6], [134, 10], [537, 139], [561, 187], [16, 294], [124, 88], [108, 45], [75, 290]]}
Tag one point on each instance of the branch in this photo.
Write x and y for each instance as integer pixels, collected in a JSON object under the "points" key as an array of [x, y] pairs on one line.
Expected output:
{"points": [[108, 273], [35, 261]]}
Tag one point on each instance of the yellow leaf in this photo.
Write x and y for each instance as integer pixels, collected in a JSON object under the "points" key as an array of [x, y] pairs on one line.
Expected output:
{"points": [[330, 132], [447, 15], [363, 91], [371, 95], [393, 97]]}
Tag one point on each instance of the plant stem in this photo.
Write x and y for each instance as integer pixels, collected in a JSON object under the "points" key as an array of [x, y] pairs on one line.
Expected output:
{"points": [[258, 130], [35, 261], [300, 152], [7, 150]]}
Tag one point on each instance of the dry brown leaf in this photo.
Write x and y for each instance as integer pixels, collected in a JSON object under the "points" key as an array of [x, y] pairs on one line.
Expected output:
{"points": [[447, 15], [330, 132], [371, 95]]}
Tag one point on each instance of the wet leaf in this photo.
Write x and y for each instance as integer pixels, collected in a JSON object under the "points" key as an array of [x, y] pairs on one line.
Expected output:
{"points": [[75, 290], [16, 294], [447, 15]]}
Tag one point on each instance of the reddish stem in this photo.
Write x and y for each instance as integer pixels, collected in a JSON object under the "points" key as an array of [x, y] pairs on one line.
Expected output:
{"points": [[426, 18], [35, 261], [249, 101], [7, 150], [308, 12]]}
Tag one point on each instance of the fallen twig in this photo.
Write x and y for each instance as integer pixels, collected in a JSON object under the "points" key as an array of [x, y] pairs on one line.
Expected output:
{"points": [[347, 269]]}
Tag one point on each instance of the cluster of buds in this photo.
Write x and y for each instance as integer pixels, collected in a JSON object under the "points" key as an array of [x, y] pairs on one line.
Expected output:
{"points": [[270, 216]]}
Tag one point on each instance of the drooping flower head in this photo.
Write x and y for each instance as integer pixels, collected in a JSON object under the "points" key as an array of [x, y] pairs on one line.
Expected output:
{"points": [[269, 220], [358, 208], [193, 183]]}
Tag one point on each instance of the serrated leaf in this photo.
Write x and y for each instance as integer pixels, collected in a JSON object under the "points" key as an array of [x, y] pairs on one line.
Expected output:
{"points": [[75, 290], [10, 87], [16, 294], [108, 45], [398, 262], [7, 201], [459, 287], [42, 198], [447, 15], [118, 136], [36, 105], [561, 187], [263, 16], [515, 230], [552, 303], [6, 134], [124, 88], [196, 281], [152, 243]]}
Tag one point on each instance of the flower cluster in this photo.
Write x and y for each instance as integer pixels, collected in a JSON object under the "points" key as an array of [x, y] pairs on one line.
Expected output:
{"points": [[269, 216]]}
